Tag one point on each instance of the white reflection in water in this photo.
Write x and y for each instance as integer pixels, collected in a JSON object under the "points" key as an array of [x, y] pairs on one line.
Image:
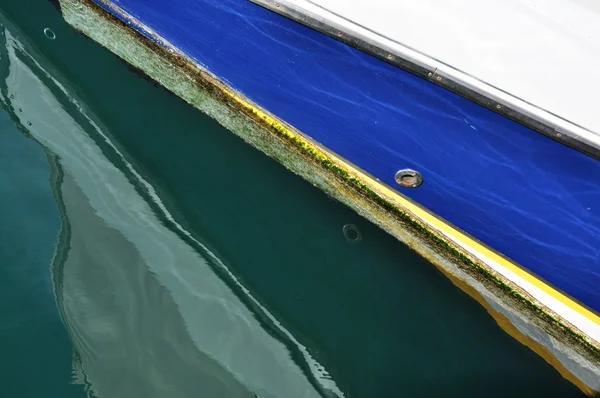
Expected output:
{"points": [[147, 314]]}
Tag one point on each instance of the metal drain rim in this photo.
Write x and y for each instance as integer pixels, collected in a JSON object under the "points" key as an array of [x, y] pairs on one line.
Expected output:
{"points": [[408, 178]]}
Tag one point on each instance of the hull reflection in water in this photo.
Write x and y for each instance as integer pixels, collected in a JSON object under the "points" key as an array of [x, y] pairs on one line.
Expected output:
{"points": [[123, 322], [147, 313], [152, 312]]}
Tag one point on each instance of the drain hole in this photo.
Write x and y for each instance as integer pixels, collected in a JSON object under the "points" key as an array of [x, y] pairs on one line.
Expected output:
{"points": [[409, 178], [352, 233]]}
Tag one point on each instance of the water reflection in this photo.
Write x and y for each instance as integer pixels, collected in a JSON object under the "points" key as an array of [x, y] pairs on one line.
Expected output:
{"points": [[147, 313], [172, 281]]}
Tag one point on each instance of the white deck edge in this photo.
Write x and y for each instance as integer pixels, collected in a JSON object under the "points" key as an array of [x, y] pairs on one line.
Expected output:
{"points": [[562, 127]]}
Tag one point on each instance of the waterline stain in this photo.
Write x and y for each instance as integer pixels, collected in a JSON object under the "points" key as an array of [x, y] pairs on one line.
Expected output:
{"points": [[213, 279]]}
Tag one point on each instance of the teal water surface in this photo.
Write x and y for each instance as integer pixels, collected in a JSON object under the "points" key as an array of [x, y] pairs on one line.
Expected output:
{"points": [[147, 252]]}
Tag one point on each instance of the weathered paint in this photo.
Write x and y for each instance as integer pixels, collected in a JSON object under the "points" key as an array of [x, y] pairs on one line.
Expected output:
{"points": [[399, 216]]}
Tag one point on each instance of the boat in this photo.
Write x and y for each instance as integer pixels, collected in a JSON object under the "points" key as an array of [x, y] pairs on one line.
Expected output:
{"points": [[467, 132]]}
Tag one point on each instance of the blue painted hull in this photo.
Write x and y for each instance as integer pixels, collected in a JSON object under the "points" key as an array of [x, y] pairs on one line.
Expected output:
{"points": [[532, 199]]}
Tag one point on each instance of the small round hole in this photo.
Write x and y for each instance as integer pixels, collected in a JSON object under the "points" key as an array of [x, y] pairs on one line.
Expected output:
{"points": [[409, 178], [49, 34], [351, 233]]}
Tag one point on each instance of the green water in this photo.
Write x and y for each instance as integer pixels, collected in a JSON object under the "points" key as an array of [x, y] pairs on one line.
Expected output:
{"points": [[147, 252]]}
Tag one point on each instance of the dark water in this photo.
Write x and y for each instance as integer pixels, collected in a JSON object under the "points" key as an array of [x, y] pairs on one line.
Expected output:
{"points": [[147, 252]]}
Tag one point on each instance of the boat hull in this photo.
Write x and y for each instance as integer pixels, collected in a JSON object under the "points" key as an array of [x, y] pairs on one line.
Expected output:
{"points": [[347, 122]]}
